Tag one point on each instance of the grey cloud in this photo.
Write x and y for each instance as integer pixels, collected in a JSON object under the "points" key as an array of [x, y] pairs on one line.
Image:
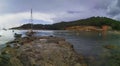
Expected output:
{"points": [[102, 4], [118, 4], [42, 5], [73, 12], [75, 15], [114, 12], [64, 10], [114, 8], [52, 5]]}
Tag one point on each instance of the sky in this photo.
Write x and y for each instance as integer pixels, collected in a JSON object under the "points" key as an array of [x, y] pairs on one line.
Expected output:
{"points": [[17, 12]]}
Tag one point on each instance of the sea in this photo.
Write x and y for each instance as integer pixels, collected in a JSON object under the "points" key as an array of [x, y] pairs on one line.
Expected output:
{"points": [[90, 44]]}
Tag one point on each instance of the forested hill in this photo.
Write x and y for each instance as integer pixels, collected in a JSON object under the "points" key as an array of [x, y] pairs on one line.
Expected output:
{"points": [[93, 21]]}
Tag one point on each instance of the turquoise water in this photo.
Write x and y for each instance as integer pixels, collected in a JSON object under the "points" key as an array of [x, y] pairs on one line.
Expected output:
{"points": [[89, 44]]}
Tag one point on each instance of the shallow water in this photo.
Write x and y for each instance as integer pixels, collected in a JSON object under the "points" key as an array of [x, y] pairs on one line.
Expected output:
{"points": [[90, 44], [85, 41]]}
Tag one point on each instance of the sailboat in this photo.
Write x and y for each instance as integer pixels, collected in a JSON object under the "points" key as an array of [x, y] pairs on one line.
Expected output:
{"points": [[30, 32]]}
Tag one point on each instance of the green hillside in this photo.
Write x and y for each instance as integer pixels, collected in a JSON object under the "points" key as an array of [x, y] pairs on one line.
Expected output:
{"points": [[92, 21]]}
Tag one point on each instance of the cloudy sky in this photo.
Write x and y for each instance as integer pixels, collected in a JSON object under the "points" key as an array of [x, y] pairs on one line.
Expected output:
{"points": [[17, 12]]}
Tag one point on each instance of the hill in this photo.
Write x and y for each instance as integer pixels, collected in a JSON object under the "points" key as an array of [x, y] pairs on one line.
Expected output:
{"points": [[92, 21]]}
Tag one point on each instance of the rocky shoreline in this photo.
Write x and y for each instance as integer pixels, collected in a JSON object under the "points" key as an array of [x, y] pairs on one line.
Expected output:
{"points": [[40, 51]]}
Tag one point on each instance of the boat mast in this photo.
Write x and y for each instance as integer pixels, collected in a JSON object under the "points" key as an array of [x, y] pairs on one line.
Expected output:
{"points": [[31, 20], [30, 31]]}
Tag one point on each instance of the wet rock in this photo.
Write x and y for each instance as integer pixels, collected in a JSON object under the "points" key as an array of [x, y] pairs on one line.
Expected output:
{"points": [[78, 64]]}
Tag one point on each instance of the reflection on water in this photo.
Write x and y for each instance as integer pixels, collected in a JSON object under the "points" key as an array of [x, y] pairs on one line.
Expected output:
{"points": [[85, 41], [6, 36], [90, 44]]}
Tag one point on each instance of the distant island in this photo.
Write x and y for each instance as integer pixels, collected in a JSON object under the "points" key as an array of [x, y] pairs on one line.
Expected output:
{"points": [[92, 23]]}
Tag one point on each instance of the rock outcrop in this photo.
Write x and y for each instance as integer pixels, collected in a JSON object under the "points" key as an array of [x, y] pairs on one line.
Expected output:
{"points": [[84, 28], [44, 51]]}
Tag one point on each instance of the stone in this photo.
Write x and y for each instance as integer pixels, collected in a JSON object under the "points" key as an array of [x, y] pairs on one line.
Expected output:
{"points": [[78, 64], [45, 51]]}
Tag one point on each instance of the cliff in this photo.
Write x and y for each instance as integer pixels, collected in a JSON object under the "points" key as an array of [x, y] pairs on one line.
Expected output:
{"points": [[84, 28]]}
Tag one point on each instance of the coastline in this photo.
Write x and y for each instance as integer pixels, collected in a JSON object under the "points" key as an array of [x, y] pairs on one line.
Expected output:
{"points": [[47, 50]]}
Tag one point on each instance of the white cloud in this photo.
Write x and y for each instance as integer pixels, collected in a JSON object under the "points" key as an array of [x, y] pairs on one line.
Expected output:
{"points": [[16, 19]]}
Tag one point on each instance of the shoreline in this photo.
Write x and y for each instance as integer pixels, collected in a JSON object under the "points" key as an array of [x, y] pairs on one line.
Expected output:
{"points": [[59, 51]]}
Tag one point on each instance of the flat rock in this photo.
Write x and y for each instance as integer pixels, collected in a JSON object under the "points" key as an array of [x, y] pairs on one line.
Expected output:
{"points": [[47, 51]]}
